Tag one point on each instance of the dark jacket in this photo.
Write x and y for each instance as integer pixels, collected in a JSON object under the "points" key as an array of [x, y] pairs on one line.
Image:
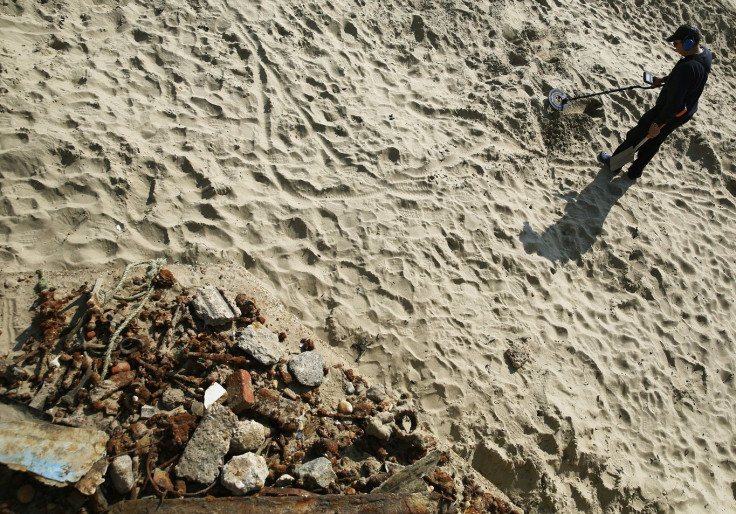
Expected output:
{"points": [[683, 87]]}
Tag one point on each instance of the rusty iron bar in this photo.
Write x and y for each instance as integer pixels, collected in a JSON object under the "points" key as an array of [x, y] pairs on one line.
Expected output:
{"points": [[219, 358], [373, 503], [70, 397]]}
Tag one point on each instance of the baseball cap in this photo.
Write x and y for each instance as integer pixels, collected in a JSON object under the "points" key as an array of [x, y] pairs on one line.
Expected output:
{"points": [[685, 31]]}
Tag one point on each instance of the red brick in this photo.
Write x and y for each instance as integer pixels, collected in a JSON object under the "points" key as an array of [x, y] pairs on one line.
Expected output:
{"points": [[240, 391]]}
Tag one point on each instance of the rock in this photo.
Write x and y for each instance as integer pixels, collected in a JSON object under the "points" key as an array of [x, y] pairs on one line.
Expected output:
{"points": [[411, 478], [247, 436], [207, 447], [121, 474], [350, 388], [376, 393], [240, 391], [197, 408], [307, 368], [517, 354], [212, 307], [380, 426], [317, 472], [147, 411], [345, 407], [260, 344], [244, 473], [284, 480], [172, 398]]}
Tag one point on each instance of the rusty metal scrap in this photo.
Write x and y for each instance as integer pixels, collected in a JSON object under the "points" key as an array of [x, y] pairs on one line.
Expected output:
{"points": [[162, 347], [316, 504]]}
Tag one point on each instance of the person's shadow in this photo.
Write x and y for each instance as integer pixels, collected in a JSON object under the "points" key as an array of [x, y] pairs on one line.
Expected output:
{"points": [[581, 224]]}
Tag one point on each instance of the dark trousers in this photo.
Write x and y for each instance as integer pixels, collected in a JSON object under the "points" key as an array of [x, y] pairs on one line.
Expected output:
{"points": [[651, 147]]}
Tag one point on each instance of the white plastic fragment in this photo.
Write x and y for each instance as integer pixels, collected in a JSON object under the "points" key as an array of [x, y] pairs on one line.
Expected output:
{"points": [[213, 393]]}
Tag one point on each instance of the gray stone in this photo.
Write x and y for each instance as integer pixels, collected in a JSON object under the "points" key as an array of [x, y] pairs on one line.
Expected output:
{"points": [[284, 480], [317, 472], [147, 411], [307, 368], [411, 478], [121, 474], [260, 343], [244, 473], [197, 408], [213, 308], [204, 454], [518, 353], [247, 436], [376, 393], [380, 426], [172, 398]]}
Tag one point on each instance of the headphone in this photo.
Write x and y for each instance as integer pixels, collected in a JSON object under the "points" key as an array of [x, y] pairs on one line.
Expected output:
{"points": [[690, 41]]}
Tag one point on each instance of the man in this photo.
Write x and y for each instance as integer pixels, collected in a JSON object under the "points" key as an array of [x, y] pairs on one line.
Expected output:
{"points": [[677, 102]]}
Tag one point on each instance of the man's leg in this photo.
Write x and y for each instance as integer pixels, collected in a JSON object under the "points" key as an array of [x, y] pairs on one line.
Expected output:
{"points": [[633, 138], [651, 147], [639, 132]]}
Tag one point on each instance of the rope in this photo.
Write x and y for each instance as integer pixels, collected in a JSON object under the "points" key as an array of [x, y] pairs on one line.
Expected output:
{"points": [[154, 267]]}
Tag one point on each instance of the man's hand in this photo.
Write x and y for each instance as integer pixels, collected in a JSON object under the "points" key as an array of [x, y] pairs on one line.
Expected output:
{"points": [[653, 131], [658, 81]]}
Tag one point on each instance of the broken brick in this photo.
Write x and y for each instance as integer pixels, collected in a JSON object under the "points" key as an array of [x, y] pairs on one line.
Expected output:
{"points": [[240, 391]]}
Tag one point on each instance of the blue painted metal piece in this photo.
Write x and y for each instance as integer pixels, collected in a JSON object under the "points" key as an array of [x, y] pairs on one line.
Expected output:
{"points": [[57, 453]]}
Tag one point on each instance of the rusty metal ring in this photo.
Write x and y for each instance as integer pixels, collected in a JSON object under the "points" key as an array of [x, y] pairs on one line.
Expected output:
{"points": [[130, 345], [401, 415]]}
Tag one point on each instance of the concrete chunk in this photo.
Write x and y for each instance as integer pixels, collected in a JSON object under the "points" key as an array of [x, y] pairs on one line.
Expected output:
{"points": [[244, 473], [248, 436], [307, 368], [317, 472], [260, 343], [213, 308], [207, 447]]}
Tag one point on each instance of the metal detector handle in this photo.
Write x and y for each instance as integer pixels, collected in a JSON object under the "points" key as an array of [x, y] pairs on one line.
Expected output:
{"points": [[614, 91]]}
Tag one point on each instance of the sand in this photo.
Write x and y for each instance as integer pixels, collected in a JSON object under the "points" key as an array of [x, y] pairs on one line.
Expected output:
{"points": [[390, 172]]}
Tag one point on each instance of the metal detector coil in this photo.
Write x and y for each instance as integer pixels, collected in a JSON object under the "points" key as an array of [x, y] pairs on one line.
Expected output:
{"points": [[558, 99]]}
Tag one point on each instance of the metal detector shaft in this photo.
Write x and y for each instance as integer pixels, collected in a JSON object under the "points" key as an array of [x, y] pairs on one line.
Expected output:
{"points": [[613, 91]]}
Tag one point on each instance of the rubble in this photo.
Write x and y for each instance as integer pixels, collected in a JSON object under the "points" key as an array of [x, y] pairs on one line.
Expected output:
{"points": [[307, 368], [240, 391], [245, 473], [376, 393], [203, 455], [162, 424], [121, 474], [212, 307], [247, 436], [317, 472], [260, 344]]}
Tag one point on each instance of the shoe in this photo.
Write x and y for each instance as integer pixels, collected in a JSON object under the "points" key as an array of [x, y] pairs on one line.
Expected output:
{"points": [[605, 159]]}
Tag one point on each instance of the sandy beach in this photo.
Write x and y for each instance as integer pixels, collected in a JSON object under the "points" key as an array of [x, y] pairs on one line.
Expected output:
{"points": [[392, 173]]}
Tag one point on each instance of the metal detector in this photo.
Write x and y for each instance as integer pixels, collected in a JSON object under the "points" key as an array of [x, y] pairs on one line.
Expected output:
{"points": [[559, 100]]}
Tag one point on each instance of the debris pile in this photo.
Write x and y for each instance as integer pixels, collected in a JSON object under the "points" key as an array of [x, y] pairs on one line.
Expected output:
{"points": [[191, 394]]}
